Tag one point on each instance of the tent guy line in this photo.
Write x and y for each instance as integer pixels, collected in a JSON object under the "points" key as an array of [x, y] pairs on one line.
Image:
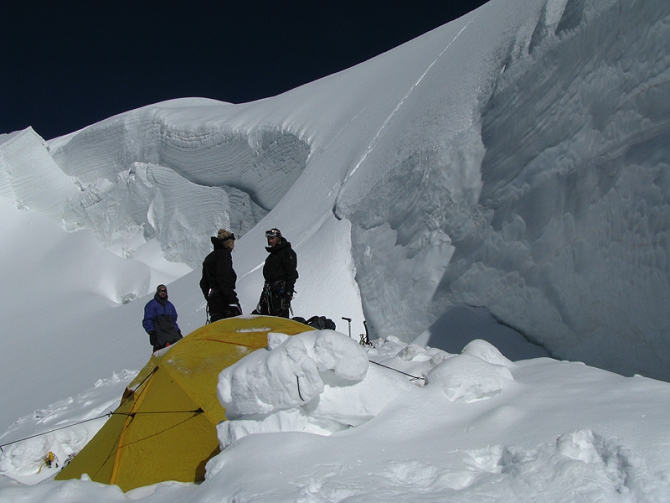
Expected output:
{"points": [[109, 414]]}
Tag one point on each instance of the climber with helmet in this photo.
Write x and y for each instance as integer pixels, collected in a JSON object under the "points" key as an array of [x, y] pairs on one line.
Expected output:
{"points": [[280, 273]]}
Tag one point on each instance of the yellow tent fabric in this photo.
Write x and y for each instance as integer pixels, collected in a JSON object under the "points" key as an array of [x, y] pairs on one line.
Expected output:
{"points": [[165, 427]]}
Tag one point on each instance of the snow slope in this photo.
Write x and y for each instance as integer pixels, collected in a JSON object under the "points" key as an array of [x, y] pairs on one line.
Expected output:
{"points": [[504, 177]]}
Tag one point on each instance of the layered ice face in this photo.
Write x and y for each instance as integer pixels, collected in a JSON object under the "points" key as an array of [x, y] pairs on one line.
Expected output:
{"points": [[550, 209]]}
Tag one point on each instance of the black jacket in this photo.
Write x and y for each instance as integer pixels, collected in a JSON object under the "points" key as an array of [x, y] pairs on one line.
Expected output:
{"points": [[281, 265], [218, 273]]}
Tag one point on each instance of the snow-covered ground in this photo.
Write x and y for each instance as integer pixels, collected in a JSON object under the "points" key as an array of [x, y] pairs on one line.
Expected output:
{"points": [[393, 422], [503, 178]]}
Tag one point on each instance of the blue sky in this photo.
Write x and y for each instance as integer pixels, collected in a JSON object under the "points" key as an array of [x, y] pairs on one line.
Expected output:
{"points": [[66, 66]]}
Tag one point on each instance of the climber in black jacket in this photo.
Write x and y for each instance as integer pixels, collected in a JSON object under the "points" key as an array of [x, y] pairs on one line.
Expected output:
{"points": [[280, 272], [218, 278]]}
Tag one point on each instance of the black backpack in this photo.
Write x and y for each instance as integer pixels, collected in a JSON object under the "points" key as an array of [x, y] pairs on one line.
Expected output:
{"points": [[318, 322]]}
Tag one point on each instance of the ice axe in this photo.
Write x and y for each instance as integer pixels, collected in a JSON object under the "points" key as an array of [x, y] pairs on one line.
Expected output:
{"points": [[365, 338], [349, 323]]}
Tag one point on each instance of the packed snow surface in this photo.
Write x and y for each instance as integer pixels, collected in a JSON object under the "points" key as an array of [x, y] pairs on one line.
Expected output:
{"points": [[317, 417], [485, 196]]}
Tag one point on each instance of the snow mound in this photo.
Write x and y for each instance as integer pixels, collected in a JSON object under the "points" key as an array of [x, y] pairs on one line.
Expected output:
{"points": [[291, 373], [485, 351], [469, 378], [317, 382]]}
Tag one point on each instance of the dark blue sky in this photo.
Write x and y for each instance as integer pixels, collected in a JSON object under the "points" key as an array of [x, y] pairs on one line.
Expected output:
{"points": [[66, 65]]}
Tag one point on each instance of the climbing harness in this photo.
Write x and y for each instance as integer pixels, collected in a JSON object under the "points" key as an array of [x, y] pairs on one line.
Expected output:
{"points": [[271, 294]]}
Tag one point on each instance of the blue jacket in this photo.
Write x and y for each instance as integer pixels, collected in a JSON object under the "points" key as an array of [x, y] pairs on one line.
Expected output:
{"points": [[155, 308]]}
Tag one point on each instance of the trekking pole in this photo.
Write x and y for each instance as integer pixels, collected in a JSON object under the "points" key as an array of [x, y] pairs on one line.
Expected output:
{"points": [[349, 323]]}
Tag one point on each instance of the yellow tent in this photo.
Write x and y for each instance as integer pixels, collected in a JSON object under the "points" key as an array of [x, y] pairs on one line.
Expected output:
{"points": [[165, 427]]}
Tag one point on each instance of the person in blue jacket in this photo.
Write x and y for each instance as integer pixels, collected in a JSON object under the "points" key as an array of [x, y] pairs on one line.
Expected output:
{"points": [[160, 320]]}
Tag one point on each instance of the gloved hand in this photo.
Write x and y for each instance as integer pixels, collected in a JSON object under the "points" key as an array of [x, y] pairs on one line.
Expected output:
{"points": [[235, 308], [285, 299], [152, 337]]}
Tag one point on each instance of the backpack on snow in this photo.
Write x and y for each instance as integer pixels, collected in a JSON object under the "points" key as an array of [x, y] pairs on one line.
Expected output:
{"points": [[321, 323], [318, 322]]}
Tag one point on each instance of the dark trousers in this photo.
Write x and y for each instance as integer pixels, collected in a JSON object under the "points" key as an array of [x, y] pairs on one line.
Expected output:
{"points": [[219, 309]]}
